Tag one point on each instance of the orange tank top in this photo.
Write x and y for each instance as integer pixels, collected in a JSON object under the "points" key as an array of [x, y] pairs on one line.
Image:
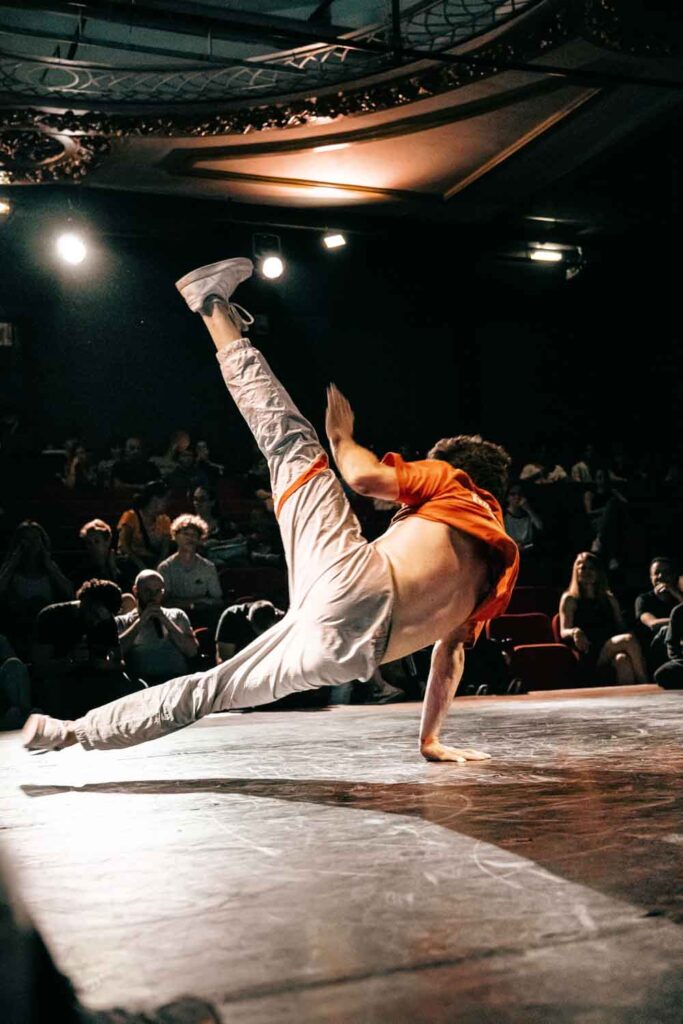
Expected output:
{"points": [[433, 489]]}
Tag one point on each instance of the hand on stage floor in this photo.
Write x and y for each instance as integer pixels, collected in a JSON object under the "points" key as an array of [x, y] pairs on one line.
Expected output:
{"points": [[435, 751]]}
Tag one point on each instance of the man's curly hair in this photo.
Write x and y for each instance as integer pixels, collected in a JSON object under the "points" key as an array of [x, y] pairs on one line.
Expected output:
{"points": [[103, 592], [189, 522], [487, 464]]}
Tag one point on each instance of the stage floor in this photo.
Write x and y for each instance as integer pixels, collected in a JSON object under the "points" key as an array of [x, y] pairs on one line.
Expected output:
{"points": [[301, 867]]}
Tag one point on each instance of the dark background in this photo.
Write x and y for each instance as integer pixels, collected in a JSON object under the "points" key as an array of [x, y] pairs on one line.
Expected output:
{"points": [[427, 329]]}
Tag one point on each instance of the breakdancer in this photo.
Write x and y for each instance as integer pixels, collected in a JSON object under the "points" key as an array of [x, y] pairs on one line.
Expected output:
{"points": [[444, 566]]}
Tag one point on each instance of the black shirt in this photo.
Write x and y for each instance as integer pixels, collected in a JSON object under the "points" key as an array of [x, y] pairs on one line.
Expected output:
{"points": [[64, 628], [235, 628], [660, 607], [135, 472]]}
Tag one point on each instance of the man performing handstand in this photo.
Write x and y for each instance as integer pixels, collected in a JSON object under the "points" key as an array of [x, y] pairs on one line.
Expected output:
{"points": [[444, 566]]}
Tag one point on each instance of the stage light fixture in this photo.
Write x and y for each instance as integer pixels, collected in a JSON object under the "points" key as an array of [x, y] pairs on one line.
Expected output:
{"points": [[272, 267], [5, 207], [71, 248], [546, 255], [334, 241]]}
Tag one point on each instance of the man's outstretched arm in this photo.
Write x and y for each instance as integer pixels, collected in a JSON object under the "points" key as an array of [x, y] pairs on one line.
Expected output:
{"points": [[361, 469], [445, 673]]}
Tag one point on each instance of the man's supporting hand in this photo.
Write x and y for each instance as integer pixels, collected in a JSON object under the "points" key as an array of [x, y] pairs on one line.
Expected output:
{"points": [[433, 750]]}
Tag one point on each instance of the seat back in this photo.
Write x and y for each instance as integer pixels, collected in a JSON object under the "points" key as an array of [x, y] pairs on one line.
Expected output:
{"points": [[531, 628]]}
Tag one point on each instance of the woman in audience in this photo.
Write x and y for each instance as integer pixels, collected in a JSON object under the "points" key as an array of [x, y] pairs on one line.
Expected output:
{"points": [[30, 580], [224, 544], [604, 506], [591, 620], [145, 529], [99, 560], [79, 472]]}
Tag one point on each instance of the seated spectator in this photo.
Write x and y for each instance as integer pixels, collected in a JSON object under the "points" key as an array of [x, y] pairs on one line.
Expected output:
{"points": [[76, 655], [105, 466], [224, 544], [15, 688], [79, 472], [185, 476], [209, 471], [543, 470], [133, 471], [521, 522], [265, 540], [582, 471], [241, 623], [591, 620], [157, 643], [654, 608], [604, 506], [191, 581], [145, 529], [29, 579], [98, 560], [670, 675], [178, 442]]}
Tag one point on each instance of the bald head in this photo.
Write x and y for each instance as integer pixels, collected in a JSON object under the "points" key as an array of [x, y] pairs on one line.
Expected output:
{"points": [[149, 587]]}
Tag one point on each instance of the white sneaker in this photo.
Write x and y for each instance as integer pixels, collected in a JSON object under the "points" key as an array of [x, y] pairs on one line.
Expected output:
{"points": [[44, 733], [216, 281]]}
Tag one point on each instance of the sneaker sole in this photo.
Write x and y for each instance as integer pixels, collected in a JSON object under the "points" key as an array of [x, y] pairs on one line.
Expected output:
{"points": [[214, 268]]}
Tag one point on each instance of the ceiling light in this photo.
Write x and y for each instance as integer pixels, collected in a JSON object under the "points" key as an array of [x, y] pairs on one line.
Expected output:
{"points": [[5, 207], [272, 267], [71, 248], [546, 255], [334, 241]]}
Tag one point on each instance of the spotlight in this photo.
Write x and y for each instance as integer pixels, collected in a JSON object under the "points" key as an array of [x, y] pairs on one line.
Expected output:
{"points": [[272, 267], [5, 207], [267, 253], [71, 248], [334, 241], [546, 255]]}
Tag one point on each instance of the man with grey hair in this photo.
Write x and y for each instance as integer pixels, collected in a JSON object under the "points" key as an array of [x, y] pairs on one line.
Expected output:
{"points": [[157, 643]]}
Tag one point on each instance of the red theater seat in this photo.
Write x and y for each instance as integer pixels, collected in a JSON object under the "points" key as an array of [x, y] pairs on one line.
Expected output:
{"points": [[536, 658]]}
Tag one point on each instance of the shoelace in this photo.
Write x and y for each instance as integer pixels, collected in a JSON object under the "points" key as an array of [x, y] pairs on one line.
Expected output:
{"points": [[241, 313]]}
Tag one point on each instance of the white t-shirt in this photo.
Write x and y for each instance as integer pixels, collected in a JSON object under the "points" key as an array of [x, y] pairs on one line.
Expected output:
{"points": [[153, 655], [187, 583]]}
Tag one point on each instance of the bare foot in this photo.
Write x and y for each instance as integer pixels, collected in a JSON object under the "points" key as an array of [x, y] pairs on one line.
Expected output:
{"points": [[435, 751]]}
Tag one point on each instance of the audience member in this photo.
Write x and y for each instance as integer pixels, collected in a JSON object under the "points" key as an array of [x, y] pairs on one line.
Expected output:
{"points": [[185, 476], [30, 579], [79, 472], [105, 466], [178, 442], [133, 471], [653, 608], [157, 643], [582, 471], [521, 522], [241, 623], [76, 655], [543, 469], [208, 470], [604, 507], [145, 529], [15, 688], [191, 581], [98, 560], [224, 544], [670, 675], [591, 620]]}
